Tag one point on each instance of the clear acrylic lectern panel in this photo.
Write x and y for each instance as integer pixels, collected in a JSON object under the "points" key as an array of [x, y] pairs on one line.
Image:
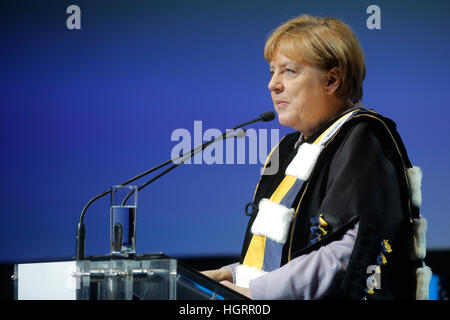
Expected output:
{"points": [[127, 279], [145, 277]]}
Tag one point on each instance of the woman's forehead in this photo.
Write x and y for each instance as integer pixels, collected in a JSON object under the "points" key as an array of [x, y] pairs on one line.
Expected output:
{"points": [[281, 56]]}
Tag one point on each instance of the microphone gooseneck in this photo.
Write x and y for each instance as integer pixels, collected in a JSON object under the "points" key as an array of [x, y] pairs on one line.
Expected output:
{"points": [[81, 231]]}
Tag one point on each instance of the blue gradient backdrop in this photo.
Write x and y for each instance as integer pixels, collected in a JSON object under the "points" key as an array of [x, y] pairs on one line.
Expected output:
{"points": [[82, 110]]}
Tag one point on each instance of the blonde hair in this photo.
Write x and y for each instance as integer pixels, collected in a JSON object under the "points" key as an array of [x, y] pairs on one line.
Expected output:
{"points": [[324, 43]]}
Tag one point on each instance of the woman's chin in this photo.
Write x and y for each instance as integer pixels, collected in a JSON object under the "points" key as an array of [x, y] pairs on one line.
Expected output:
{"points": [[286, 121]]}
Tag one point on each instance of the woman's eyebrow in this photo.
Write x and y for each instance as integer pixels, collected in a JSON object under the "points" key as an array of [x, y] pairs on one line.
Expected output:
{"points": [[289, 62], [281, 64]]}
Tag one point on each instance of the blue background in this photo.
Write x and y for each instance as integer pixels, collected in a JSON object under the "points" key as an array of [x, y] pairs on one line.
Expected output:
{"points": [[82, 110]]}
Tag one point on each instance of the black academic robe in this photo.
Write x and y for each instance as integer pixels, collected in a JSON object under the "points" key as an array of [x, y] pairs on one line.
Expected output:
{"points": [[359, 176]]}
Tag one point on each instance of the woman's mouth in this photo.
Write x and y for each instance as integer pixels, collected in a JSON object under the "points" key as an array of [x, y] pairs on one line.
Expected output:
{"points": [[281, 104]]}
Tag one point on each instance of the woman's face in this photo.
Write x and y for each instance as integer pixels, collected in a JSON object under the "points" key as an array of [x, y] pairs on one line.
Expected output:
{"points": [[299, 94]]}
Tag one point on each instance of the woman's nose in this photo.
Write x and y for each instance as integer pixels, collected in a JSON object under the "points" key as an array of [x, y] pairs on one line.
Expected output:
{"points": [[275, 83]]}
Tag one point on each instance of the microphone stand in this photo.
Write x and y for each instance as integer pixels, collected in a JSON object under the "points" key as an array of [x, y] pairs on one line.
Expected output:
{"points": [[81, 230]]}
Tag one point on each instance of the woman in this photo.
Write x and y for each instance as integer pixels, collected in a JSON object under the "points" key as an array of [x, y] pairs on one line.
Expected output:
{"points": [[335, 221]]}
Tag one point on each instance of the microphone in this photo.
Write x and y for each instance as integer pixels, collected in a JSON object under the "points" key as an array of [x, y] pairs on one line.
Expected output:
{"points": [[267, 116], [81, 231]]}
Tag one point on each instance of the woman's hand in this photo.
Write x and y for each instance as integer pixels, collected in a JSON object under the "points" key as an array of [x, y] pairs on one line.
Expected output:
{"points": [[225, 277], [219, 275]]}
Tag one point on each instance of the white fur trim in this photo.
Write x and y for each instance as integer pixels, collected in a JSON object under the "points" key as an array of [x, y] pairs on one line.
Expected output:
{"points": [[304, 161], [419, 245], [423, 277], [245, 274], [415, 184], [273, 221]]}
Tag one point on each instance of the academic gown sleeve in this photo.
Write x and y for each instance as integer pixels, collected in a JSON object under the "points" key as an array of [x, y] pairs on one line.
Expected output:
{"points": [[366, 182], [308, 277]]}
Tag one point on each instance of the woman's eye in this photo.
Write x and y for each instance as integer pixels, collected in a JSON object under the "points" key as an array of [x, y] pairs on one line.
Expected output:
{"points": [[290, 71]]}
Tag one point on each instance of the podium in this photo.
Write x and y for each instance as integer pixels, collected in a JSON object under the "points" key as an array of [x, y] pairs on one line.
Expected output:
{"points": [[144, 277]]}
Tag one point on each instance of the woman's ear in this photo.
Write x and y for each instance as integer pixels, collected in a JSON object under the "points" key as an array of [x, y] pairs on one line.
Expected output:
{"points": [[334, 79]]}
